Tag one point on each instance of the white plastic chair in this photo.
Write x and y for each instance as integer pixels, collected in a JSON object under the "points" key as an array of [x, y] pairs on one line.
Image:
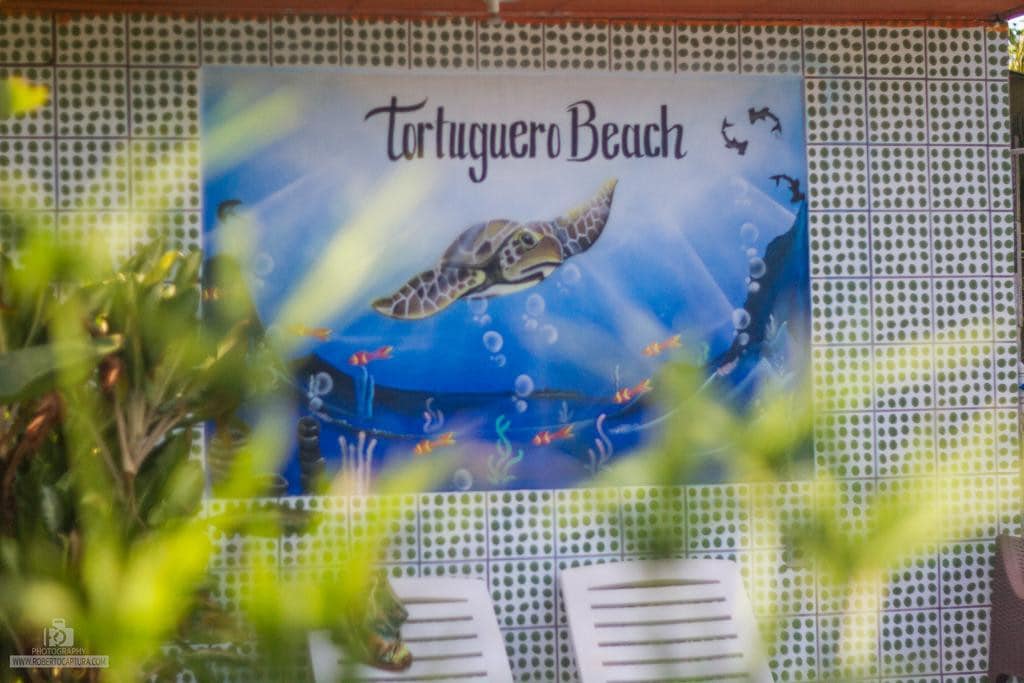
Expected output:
{"points": [[663, 620], [451, 631]]}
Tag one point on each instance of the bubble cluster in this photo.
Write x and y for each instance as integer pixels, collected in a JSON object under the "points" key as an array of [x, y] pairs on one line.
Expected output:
{"points": [[524, 385], [493, 341]]}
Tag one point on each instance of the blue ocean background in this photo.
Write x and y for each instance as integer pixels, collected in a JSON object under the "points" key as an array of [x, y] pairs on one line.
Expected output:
{"points": [[683, 244]]}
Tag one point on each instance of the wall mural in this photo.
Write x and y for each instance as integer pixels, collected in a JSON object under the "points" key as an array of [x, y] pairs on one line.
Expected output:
{"points": [[498, 265]]}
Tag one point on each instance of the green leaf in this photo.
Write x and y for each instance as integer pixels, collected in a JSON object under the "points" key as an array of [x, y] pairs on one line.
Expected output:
{"points": [[152, 481], [52, 509], [29, 372]]}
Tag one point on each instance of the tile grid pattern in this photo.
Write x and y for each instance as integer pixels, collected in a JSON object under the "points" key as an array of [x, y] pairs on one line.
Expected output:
{"points": [[911, 240]]}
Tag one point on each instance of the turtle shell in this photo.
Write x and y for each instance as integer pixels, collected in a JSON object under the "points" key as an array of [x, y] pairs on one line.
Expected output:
{"points": [[477, 246]]}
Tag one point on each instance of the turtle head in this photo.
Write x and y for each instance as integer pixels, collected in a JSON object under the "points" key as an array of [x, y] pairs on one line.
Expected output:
{"points": [[530, 253]]}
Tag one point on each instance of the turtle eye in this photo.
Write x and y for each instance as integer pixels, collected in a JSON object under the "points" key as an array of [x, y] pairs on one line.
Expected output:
{"points": [[528, 239]]}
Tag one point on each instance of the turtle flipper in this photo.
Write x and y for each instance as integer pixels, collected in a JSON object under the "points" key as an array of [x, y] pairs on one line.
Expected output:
{"points": [[429, 292], [578, 229]]}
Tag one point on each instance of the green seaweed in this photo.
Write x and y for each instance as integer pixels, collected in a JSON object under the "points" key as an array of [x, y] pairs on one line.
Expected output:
{"points": [[501, 462]]}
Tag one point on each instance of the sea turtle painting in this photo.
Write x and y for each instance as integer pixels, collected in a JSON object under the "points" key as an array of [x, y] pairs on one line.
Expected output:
{"points": [[500, 257]]}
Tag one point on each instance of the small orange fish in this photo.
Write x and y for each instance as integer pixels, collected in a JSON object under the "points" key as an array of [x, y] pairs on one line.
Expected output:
{"points": [[545, 437], [318, 333], [655, 348], [426, 446], [628, 394], [360, 358]]}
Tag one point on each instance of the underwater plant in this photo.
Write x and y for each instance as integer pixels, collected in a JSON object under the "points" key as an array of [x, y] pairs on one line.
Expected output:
{"points": [[564, 413], [433, 418], [599, 458], [364, 393], [356, 471], [501, 462]]}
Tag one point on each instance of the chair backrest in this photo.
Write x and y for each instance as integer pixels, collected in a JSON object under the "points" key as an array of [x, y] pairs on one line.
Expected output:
{"points": [[663, 620], [451, 631]]}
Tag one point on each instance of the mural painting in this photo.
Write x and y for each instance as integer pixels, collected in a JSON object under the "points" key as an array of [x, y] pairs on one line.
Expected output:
{"points": [[498, 265]]}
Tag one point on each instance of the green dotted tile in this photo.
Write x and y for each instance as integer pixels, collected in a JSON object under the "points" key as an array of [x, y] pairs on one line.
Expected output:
{"points": [[837, 177], [842, 377], [92, 101], [956, 53], [27, 173], [834, 50], [895, 51], [307, 40], [844, 445], [453, 526], [235, 41], [707, 48], [903, 377], [165, 103], [965, 441], [521, 524], [93, 174], [532, 654], [910, 642], [959, 178], [897, 111], [576, 46], [840, 311], [589, 522], [165, 174], [643, 48], [900, 243], [839, 244], [905, 443], [523, 592], [834, 110], [26, 39], [965, 640], [902, 310], [899, 178], [967, 573], [513, 46], [163, 40], [961, 243], [92, 39], [367, 43], [956, 112], [769, 49], [443, 44]]}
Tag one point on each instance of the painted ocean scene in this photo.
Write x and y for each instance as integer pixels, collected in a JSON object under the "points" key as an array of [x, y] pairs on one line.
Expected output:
{"points": [[499, 265]]}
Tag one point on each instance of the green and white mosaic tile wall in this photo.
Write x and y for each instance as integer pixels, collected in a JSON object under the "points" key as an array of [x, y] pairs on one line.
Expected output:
{"points": [[911, 236]]}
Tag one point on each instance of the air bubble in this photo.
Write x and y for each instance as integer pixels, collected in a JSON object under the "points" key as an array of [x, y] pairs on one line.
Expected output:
{"points": [[263, 265], [754, 287], [743, 338], [499, 360], [757, 268], [535, 305], [530, 324], [748, 233], [550, 333], [477, 305], [571, 274], [493, 341], [524, 385], [521, 406], [462, 479], [316, 403], [740, 318]]}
